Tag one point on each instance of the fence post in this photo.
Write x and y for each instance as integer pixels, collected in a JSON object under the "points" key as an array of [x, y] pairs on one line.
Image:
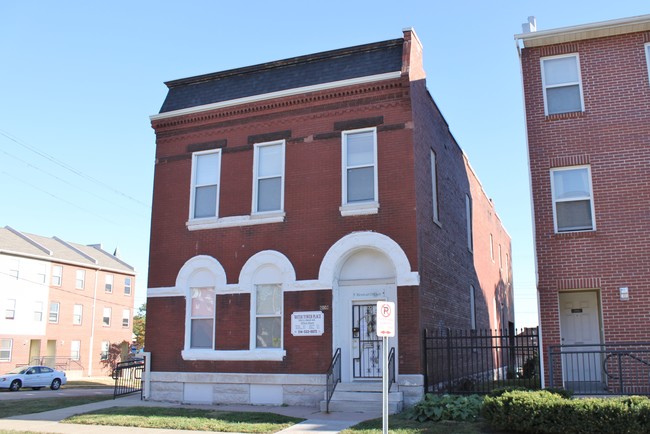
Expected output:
{"points": [[550, 366]]}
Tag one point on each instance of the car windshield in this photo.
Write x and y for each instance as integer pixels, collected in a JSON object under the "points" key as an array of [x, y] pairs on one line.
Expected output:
{"points": [[21, 370]]}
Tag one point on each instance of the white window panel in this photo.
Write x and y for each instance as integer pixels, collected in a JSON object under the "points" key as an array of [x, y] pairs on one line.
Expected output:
{"points": [[6, 345], [126, 317], [647, 58], [206, 168], [75, 350], [57, 275], [434, 186], [105, 350], [268, 184], [127, 286], [77, 314], [573, 207], [14, 268], [38, 311], [106, 317], [202, 313], [268, 316], [472, 307], [359, 166], [54, 312], [10, 310], [468, 221], [562, 84], [108, 283], [80, 281]]}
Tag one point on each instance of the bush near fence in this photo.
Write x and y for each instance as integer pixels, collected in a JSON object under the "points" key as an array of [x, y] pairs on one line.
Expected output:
{"points": [[546, 412]]}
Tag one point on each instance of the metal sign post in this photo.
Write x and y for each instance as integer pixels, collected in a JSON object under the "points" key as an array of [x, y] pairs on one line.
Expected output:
{"points": [[385, 329]]}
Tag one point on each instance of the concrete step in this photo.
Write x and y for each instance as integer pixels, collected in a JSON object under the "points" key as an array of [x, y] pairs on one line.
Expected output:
{"points": [[360, 407], [363, 397], [366, 396]]}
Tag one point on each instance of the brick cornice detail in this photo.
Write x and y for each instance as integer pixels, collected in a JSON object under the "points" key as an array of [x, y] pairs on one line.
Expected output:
{"points": [[556, 50], [573, 160], [579, 283]]}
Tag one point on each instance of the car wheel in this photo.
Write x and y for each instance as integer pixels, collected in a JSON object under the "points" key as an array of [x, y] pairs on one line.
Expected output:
{"points": [[15, 385], [36, 388], [56, 383]]}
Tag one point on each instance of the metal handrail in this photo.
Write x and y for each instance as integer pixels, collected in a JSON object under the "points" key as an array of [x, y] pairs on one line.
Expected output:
{"points": [[391, 367], [333, 376]]}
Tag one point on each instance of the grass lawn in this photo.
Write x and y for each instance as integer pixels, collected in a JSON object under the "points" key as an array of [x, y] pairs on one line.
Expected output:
{"points": [[399, 424], [91, 383], [186, 418], [15, 407]]}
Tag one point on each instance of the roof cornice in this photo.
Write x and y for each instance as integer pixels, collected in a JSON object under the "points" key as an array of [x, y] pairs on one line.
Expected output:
{"points": [[600, 29], [76, 250], [55, 260]]}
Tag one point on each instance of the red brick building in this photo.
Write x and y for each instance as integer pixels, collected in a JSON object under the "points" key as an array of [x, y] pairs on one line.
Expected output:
{"points": [[587, 95], [64, 304], [290, 197]]}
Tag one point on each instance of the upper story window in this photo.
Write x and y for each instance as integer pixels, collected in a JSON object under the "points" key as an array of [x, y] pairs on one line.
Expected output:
{"points": [[126, 317], [75, 350], [105, 350], [472, 307], [80, 280], [77, 314], [106, 317], [647, 57], [468, 221], [202, 318], [268, 316], [54, 312], [38, 311], [204, 197], [10, 310], [41, 273], [127, 286], [14, 266], [491, 248], [360, 169], [108, 283], [57, 275], [562, 84], [434, 187], [268, 172], [573, 205]]}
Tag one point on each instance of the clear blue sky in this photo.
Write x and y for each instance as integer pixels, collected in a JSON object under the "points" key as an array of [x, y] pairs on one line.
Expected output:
{"points": [[79, 79]]}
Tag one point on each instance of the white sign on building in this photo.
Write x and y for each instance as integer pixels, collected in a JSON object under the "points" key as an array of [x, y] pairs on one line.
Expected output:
{"points": [[308, 323]]}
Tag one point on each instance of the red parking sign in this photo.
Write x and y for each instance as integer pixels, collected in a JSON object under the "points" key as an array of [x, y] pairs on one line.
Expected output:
{"points": [[385, 319]]}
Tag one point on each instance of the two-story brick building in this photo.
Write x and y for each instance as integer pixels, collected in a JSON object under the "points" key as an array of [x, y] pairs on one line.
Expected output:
{"points": [[290, 197], [587, 94], [65, 305]]}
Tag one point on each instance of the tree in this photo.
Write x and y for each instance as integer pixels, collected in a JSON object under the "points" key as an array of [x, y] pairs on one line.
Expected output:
{"points": [[139, 322]]}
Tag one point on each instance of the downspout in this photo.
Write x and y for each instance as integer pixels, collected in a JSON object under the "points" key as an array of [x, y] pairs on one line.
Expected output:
{"points": [[92, 328], [532, 213]]}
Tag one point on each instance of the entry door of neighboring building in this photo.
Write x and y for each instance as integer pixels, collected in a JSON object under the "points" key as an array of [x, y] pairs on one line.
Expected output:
{"points": [[580, 326], [34, 351]]}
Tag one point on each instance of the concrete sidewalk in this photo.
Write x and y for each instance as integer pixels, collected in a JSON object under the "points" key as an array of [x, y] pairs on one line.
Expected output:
{"points": [[49, 421]]}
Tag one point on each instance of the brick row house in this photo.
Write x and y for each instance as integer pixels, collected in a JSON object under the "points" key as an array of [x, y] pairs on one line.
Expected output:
{"points": [[587, 99], [65, 305], [289, 198]]}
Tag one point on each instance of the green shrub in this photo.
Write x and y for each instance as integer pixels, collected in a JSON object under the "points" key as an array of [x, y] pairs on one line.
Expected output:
{"points": [[546, 412], [564, 393], [447, 407]]}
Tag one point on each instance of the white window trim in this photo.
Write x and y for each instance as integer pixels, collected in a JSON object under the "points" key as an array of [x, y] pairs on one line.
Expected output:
{"points": [[358, 208], [58, 275], [11, 349], [130, 286], [434, 187], [81, 314], [236, 221], [77, 279], [78, 352], [108, 286], [193, 186], [254, 316], [647, 58], [491, 248], [468, 218], [591, 199], [58, 312], [256, 178], [189, 318], [126, 315], [472, 307], [110, 315], [11, 307], [579, 82]]}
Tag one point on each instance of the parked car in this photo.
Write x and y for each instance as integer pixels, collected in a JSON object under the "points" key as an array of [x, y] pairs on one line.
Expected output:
{"points": [[35, 377]]}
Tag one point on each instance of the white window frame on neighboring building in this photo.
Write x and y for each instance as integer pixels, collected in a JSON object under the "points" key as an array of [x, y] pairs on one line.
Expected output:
{"points": [[472, 307], [565, 84], [213, 180], [57, 275], [6, 347], [80, 279], [14, 268], [434, 187], [75, 350], [647, 58], [362, 206], [200, 311], [491, 248], [468, 220], [275, 173], [127, 286], [126, 317], [108, 283], [275, 313], [41, 273], [77, 314], [10, 310], [106, 348], [589, 197], [38, 311], [106, 316], [55, 308], [500, 258]]}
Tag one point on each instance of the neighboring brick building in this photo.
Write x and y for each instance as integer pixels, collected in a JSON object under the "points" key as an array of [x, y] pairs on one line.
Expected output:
{"points": [[312, 187], [587, 99], [64, 305]]}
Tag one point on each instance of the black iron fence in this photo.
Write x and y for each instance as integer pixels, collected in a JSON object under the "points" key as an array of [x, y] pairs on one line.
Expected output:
{"points": [[60, 363], [601, 369], [128, 377], [479, 361]]}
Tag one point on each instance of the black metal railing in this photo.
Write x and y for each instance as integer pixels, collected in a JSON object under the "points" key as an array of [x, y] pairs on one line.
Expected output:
{"points": [[479, 361], [60, 363], [128, 377], [601, 369], [333, 376], [391, 367]]}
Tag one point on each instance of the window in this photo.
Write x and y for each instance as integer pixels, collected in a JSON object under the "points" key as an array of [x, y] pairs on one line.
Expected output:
{"points": [[108, 283], [472, 307], [434, 186], [81, 279], [202, 318], [562, 86], [491, 248], [105, 349], [573, 207], [268, 185], [507, 269], [77, 314], [57, 275], [126, 317], [500, 259], [38, 311], [41, 273], [10, 310], [206, 167], [127, 286], [14, 266], [54, 312], [468, 221], [5, 350], [106, 317], [268, 315], [75, 350], [359, 166], [647, 57]]}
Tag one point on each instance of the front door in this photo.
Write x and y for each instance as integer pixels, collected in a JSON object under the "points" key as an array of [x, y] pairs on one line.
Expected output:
{"points": [[34, 352], [366, 345], [580, 331]]}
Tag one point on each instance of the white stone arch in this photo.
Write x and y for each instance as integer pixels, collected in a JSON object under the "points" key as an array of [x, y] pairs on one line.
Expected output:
{"points": [[264, 266], [354, 242], [202, 270]]}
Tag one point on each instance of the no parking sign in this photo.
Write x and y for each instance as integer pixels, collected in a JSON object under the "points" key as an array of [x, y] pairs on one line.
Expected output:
{"points": [[385, 319]]}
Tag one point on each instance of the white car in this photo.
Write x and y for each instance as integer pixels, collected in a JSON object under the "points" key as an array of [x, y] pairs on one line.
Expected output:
{"points": [[35, 377]]}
